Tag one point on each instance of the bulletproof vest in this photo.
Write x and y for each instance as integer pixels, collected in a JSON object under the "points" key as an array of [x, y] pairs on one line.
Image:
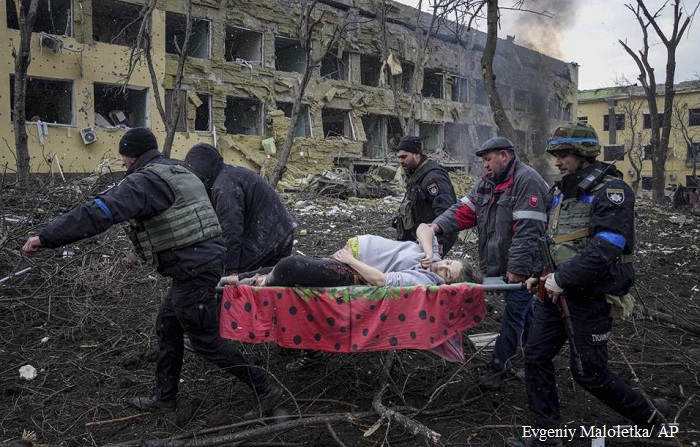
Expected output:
{"points": [[189, 220], [414, 209], [569, 226]]}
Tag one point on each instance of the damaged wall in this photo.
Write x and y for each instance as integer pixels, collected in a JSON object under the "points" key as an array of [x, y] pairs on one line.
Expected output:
{"points": [[247, 72]]}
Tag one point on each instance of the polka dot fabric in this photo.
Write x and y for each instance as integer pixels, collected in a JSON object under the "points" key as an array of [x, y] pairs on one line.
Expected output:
{"points": [[354, 319]]}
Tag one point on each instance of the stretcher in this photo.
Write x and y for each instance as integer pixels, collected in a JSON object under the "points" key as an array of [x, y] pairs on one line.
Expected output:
{"points": [[356, 318]]}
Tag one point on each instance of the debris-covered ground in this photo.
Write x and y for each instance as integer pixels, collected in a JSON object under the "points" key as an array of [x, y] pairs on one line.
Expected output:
{"points": [[85, 323]]}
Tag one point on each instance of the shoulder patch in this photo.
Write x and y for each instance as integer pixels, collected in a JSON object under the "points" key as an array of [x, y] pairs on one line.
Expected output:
{"points": [[433, 189], [534, 201], [615, 195]]}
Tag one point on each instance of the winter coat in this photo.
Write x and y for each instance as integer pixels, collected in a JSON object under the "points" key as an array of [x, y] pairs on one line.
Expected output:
{"points": [[510, 217], [141, 195], [253, 217]]}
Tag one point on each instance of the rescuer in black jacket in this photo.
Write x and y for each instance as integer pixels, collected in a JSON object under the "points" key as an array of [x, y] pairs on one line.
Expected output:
{"points": [[258, 230], [429, 193], [173, 226]]}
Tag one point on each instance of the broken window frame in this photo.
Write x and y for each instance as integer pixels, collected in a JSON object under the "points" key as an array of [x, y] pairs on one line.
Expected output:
{"points": [[456, 138], [339, 66], [250, 54], [480, 96], [433, 83], [614, 152], [135, 108], [175, 25], [38, 100], [106, 12], [294, 60], [238, 120], [303, 128], [647, 183], [331, 112], [460, 89], [370, 70], [187, 118], [203, 117], [374, 127], [432, 135], [647, 152], [48, 14]]}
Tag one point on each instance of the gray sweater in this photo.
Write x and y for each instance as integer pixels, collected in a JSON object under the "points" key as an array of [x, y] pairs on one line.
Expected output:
{"points": [[398, 260]]}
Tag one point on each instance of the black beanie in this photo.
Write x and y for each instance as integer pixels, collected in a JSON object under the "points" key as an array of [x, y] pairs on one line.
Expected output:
{"points": [[410, 143], [137, 141]]}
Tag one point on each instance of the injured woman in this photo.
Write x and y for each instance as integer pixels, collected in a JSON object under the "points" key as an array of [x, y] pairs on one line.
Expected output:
{"points": [[367, 260]]}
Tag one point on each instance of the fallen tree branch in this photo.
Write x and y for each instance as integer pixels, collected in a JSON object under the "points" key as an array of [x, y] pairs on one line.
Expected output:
{"points": [[247, 435], [672, 319]]}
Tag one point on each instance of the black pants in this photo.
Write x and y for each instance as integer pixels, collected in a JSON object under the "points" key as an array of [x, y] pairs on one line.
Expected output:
{"points": [[592, 328], [307, 271], [191, 307], [269, 260]]}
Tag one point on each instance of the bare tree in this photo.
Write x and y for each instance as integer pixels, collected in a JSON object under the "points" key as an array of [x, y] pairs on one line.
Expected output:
{"points": [[489, 76], [634, 143], [23, 58], [660, 132], [309, 28], [142, 50]]}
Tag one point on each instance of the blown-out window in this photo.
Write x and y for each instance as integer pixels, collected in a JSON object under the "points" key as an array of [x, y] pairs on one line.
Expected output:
{"points": [[115, 22], [47, 100], [175, 30], [119, 106], [53, 16]]}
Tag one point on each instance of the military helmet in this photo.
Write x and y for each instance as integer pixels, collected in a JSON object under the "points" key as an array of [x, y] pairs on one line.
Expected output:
{"points": [[577, 138], [493, 144]]}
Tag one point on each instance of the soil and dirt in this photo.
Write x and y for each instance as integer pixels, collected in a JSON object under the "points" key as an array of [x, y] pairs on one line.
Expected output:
{"points": [[86, 323]]}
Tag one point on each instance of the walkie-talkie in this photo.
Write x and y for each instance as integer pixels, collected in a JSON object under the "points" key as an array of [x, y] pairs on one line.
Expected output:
{"points": [[595, 176]]}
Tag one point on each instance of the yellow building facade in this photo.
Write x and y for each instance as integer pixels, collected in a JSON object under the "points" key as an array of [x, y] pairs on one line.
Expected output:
{"points": [[244, 67], [632, 130]]}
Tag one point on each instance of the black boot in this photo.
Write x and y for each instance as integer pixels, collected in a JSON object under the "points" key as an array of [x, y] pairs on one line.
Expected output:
{"points": [[265, 401], [153, 402]]}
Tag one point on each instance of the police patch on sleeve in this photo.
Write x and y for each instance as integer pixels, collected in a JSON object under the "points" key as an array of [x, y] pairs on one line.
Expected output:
{"points": [[433, 189], [615, 195]]}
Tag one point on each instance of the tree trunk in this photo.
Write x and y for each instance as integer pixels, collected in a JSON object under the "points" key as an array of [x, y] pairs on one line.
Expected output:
{"points": [[23, 58], [281, 166], [505, 127]]}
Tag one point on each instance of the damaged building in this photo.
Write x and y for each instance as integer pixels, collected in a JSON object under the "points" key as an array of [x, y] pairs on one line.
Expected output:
{"points": [[245, 63]]}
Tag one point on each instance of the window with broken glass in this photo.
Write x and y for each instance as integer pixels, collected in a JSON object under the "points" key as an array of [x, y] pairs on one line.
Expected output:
{"points": [[119, 106], [243, 46], [47, 100], [115, 22], [53, 16], [243, 116], [199, 43]]}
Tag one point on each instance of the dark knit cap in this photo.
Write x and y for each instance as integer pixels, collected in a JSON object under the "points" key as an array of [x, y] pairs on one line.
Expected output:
{"points": [[137, 141], [410, 143]]}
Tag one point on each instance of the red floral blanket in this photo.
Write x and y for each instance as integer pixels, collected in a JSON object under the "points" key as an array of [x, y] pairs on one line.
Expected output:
{"points": [[354, 319]]}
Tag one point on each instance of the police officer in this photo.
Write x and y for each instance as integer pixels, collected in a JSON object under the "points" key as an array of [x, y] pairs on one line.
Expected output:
{"points": [[429, 192], [591, 225], [508, 208], [174, 227]]}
